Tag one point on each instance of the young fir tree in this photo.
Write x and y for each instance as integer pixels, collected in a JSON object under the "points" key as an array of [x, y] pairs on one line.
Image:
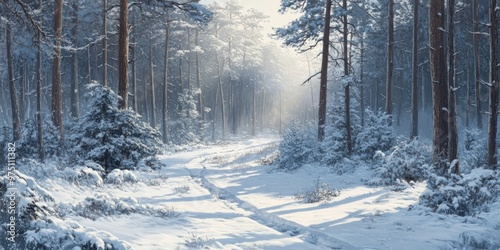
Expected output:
{"points": [[110, 136]]}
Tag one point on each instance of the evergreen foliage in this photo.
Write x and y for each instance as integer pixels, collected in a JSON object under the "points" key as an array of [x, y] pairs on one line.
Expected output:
{"points": [[5, 138], [296, 148], [28, 145], [109, 136], [187, 128], [462, 195], [38, 226], [407, 161], [334, 147], [377, 135]]}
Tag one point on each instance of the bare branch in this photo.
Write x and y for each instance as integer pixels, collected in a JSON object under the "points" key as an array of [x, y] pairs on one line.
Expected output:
{"points": [[311, 77]]}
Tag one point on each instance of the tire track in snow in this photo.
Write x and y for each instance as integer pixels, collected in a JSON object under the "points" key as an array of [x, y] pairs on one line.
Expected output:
{"points": [[277, 223]]}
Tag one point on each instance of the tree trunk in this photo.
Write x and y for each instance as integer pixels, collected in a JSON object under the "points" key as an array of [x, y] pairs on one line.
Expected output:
{"points": [[123, 55], [377, 95], [189, 59], [75, 100], [452, 112], [324, 73], [280, 132], [134, 69], [221, 91], [231, 111], [145, 95], [16, 120], [467, 107], [492, 122], [198, 78], [361, 82], [105, 43], [347, 88], [414, 82], [22, 93], [56, 69], [181, 83], [39, 115], [477, 69], [439, 86], [165, 86], [214, 121], [422, 81], [88, 65], [253, 107], [390, 61], [262, 109], [152, 78]]}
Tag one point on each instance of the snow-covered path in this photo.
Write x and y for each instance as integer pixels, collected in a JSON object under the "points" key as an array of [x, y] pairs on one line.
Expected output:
{"points": [[228, 198], [210, 215]]}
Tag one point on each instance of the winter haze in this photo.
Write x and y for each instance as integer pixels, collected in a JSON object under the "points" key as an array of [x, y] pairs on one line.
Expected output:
{"points": [[224, 124]]}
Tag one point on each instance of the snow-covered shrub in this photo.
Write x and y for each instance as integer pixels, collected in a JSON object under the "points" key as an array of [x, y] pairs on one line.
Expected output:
{"points": [[182, 189], [109, 136], [473, 153], [118, 176], [105, 205], [462, 195], [345, 165], [319, 192], [376, 135], [5, 138], [188, 127], [38, 226], [89, 174], [296, 148], [334, 147], [478, 240], [158, 180], [102, 205], [59, 234], [197, 242], [269, 159], [407, 161], [27, 146]]}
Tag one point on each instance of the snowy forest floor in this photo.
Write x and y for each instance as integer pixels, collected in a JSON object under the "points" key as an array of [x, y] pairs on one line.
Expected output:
{"points": [[227, 197]]}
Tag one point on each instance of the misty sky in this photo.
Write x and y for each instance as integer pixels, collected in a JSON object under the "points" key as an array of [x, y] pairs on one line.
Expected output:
{"points": [[268, 7]]}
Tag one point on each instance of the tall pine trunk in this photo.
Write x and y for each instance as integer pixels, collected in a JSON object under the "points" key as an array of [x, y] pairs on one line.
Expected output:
{"points": [[414, 82], [492, 122], [220, 90], [198, 78], [165, 86], [39, 115], [134, 69], [56, 69], [74, 95], [123, 55], [439, 86], [254, 117], [105, 43], [152, 78], [390, 61], [16, 120], [452, 112], [22, 92], [477, 66], [347, 88], [324, 73], [361, 85]]}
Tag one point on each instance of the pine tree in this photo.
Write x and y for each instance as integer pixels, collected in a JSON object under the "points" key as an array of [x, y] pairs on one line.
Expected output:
{"points": [[56, 69], [494, 88], [439, 85]]}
